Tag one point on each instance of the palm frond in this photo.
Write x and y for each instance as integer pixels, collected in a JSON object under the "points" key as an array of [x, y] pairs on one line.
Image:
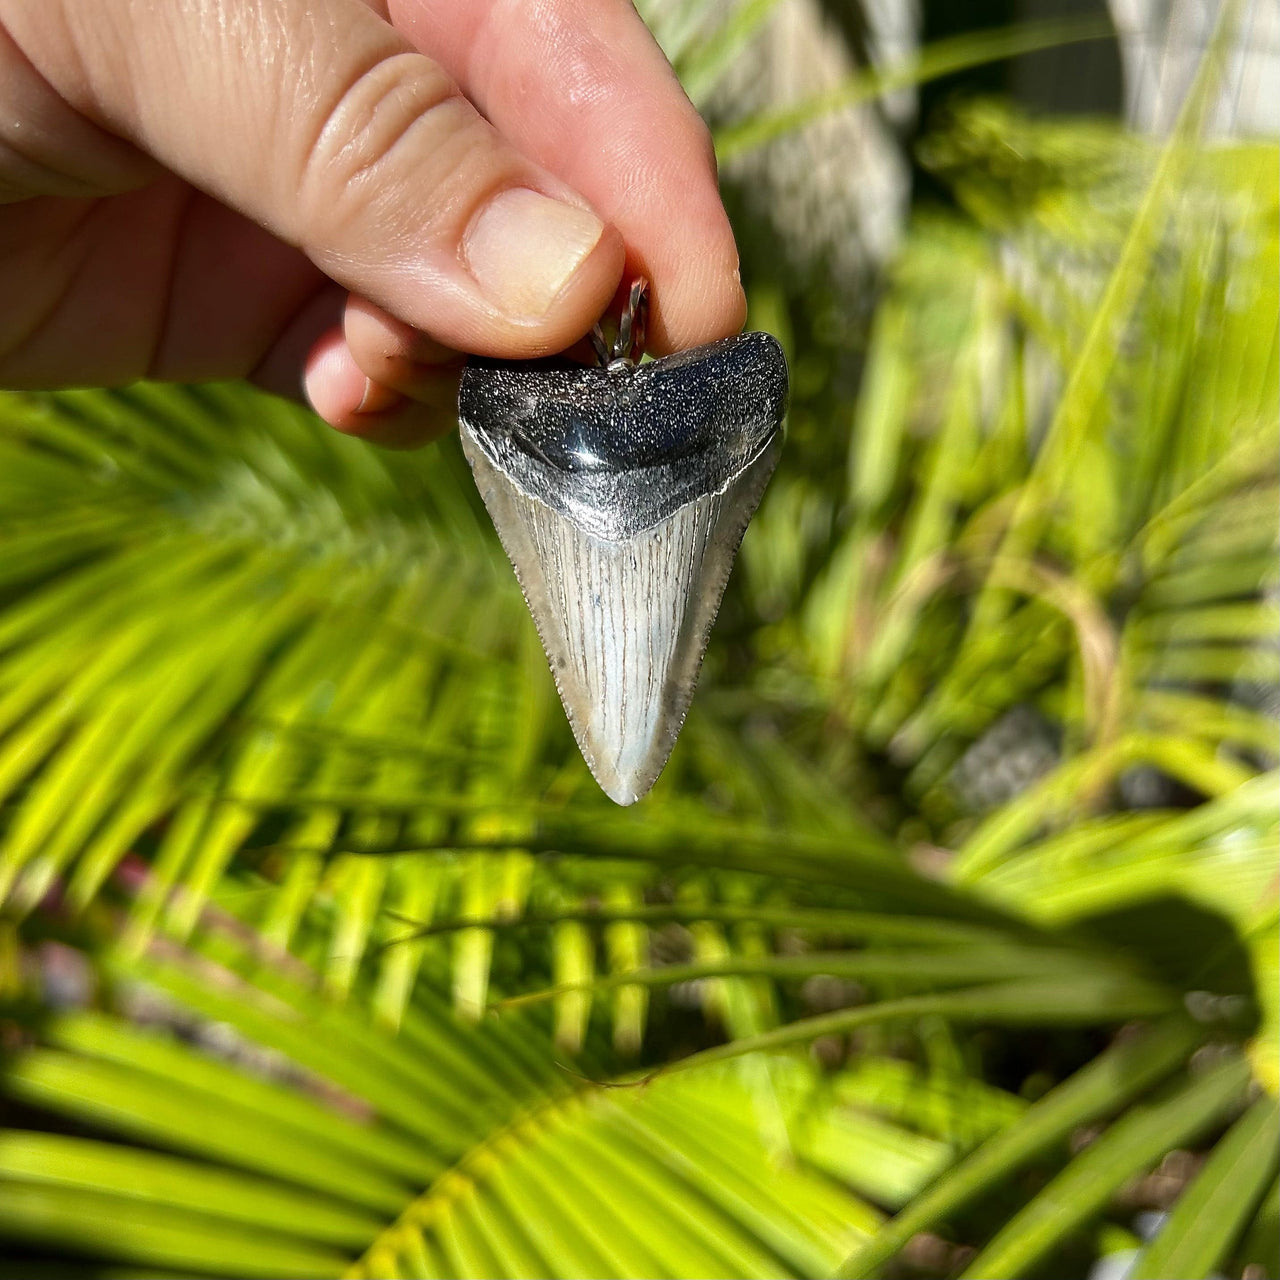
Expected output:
{"points": [[321, 1142]]}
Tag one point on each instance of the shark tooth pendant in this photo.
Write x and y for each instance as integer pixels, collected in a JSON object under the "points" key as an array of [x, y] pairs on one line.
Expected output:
{"points": [[621, 494]]}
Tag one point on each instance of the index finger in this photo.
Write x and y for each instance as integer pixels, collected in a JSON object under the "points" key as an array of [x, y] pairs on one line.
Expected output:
{"points": [[581, 87]]}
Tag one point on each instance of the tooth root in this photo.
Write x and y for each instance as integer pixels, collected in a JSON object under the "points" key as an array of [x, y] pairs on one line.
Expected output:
{"points": [[624, 624]]}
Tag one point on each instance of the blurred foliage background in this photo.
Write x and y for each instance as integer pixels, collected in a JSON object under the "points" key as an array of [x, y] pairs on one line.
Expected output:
{"points": [[947, 945]]}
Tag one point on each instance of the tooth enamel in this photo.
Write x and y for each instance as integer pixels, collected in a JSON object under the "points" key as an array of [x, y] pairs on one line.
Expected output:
{"points": [[621, 496], [624, 624]]}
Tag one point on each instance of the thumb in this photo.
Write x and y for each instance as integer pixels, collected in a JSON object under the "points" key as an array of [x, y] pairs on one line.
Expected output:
{"points": [[321, 123]]}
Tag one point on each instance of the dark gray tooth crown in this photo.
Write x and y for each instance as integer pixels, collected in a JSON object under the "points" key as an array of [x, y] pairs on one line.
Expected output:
{"points": [[617, 450]]}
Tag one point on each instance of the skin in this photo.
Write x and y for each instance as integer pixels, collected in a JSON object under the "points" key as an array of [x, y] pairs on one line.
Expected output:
{"points": [[317, 194]]}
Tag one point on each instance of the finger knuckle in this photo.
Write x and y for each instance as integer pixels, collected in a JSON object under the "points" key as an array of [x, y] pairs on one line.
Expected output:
{"points": [[399, 116]]}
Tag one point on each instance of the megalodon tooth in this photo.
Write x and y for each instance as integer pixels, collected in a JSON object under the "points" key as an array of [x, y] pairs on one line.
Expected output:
{"points": [[621, 493]]}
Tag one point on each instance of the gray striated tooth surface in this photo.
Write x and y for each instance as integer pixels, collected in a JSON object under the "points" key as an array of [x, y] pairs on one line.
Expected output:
{"points": [[621, 496]]}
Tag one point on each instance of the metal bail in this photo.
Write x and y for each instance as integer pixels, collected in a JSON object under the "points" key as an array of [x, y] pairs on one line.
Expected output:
{"points": [[621, 494], [628, 345]]}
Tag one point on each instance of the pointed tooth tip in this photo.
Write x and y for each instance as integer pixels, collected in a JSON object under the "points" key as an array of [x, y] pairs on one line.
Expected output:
{"points": [[623, 796], [623, 788]]}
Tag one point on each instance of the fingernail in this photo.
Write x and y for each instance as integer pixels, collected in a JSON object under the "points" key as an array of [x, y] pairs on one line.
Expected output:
{"points": [[522, 248], [377, 398]]}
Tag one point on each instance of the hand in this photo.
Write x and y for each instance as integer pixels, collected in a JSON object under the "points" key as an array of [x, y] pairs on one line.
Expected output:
{"points": [[343, 195]]}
